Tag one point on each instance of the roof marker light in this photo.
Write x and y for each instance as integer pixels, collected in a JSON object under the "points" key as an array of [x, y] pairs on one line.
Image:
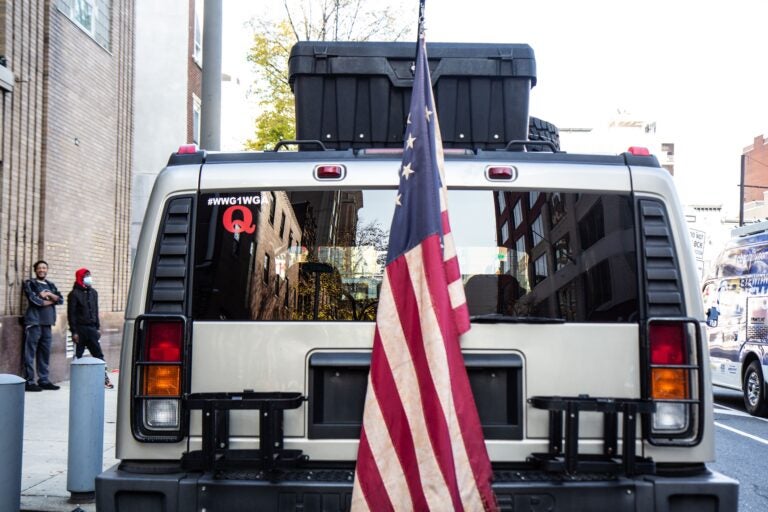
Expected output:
{"points": [[639, 151], [187, 149], [329, 172], [501, 172]]}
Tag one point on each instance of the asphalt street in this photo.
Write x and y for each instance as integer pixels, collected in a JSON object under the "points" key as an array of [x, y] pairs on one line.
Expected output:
{"points": [[741, 443]]}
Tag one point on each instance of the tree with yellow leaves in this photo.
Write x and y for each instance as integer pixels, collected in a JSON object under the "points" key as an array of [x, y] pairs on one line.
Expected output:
{"points": [[311, 20]]}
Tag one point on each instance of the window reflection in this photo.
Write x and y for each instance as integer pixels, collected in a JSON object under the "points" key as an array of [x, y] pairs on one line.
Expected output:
{"points": [[556, 255]]}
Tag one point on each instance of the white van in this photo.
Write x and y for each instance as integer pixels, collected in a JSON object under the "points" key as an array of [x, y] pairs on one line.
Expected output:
{"points": [[736, 307]]}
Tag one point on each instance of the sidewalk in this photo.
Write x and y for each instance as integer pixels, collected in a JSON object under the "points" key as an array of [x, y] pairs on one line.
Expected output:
{"points": [[44, 467]]}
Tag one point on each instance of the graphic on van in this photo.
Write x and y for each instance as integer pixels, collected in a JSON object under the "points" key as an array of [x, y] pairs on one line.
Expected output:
{"points": [[746, 260], [218, 200], [233, 224]]}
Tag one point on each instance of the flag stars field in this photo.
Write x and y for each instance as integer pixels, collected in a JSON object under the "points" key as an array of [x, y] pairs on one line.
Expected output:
{"points": [[407, 171]]}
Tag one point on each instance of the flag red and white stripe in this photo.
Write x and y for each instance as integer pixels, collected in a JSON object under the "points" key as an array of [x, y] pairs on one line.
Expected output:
{"points": [[421, 446]]}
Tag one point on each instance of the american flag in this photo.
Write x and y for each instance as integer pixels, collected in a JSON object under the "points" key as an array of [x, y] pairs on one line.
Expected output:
{"points": [[421, 445]]}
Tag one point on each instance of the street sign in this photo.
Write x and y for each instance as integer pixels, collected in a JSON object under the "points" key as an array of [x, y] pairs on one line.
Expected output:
{"points": [[698, 237]]}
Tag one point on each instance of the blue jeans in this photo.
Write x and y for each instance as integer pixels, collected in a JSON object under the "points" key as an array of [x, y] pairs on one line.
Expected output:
{"points": [[37, 349]]}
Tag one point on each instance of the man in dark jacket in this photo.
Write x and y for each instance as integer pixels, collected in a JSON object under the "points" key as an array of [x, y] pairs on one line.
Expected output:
{"points": [[40, 316], [83, 317]]}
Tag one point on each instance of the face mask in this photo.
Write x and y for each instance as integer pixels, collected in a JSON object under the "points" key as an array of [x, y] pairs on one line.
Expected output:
{"points": [[87, 281]]}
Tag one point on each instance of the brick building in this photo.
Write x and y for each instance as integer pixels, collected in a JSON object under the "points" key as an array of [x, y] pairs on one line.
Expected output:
{"points": [[65, 151], [755, 171]]}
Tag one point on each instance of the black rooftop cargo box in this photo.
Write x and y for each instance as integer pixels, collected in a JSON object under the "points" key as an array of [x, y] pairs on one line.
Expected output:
{"points": [[357, 94]]}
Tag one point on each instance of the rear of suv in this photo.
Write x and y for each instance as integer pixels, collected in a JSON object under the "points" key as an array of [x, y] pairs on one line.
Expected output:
{"points": [[250, 323], [253, 300]]}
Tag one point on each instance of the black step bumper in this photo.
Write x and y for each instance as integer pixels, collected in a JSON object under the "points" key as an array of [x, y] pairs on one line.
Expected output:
{"points": [[326, 490]]}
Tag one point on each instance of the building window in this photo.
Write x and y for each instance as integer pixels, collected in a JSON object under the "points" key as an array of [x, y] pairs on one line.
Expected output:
{"points": [[518, 214], [93, 16], [597, 282], [562, 252], [272, 207], [533, 196], [556, 207], [504, 232], [282, 226], [266, 269], [592, 227], [82, 13], [537, 229], [502, 201], [520, 248], [287, 292], [520, 262], [541, 271], [195, 119], [197, 52]]}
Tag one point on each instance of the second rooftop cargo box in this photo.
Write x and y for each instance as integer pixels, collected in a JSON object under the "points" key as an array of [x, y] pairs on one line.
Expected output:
{"points": [[357, 94]]}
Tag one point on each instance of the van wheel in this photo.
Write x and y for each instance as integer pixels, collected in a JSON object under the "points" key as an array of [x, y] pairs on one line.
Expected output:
{"points": [[754, 390], [539, 129]]}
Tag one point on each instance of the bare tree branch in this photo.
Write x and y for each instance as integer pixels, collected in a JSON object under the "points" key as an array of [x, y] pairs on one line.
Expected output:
{"points": [[358, 20], [353, 19], [290, 19]]}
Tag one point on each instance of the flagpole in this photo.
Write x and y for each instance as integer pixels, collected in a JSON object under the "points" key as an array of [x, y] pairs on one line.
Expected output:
{"points": [[420, 29]]}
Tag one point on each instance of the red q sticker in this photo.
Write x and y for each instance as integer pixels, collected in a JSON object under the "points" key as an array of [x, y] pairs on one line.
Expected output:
{"points": [[244, 225]]}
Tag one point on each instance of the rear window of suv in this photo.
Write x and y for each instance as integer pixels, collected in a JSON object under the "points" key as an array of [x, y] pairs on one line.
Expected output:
{"points": [[319, 255]]}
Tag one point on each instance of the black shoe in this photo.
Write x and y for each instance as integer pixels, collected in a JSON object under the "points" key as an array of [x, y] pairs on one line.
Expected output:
{"points": [[32, 387], [49, 385]]}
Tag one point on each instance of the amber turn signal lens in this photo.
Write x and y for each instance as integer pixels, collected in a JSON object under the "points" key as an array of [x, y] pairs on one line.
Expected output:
{"points": [[162, 380], [669, 384]]}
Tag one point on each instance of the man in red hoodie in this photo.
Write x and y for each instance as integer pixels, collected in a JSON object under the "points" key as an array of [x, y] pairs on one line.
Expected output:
{"points": [[83, 317]]}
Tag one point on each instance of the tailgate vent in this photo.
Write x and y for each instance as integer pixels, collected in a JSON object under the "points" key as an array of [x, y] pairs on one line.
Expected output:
{"points": [[168, 289], [663, 289]]}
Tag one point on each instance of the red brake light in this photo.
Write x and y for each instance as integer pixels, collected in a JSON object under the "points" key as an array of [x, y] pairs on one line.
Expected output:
{"points": [[667, 343], [639, 151], [187, 149], [164, 341], [329, 172], [501, 172]]}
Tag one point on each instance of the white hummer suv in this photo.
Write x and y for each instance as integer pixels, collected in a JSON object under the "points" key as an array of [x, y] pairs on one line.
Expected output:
{"points": [[250, 323]]}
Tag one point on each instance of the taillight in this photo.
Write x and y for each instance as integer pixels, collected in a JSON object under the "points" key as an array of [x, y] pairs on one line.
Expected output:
{"points": [[668, 347], [164, 341], [672, 383], [187, 149], [638, 151], [159, 364]]}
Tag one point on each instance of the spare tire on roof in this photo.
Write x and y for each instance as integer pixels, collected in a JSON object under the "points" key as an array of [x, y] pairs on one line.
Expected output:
{"points": [[539, 129]]}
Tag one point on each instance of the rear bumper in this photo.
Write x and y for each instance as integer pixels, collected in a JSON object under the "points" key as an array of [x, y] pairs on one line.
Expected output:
{"points": [[330, 490]]}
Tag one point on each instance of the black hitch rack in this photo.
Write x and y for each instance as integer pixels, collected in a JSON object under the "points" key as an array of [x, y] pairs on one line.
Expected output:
{"points": [[569, 460], [216, 454]]}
